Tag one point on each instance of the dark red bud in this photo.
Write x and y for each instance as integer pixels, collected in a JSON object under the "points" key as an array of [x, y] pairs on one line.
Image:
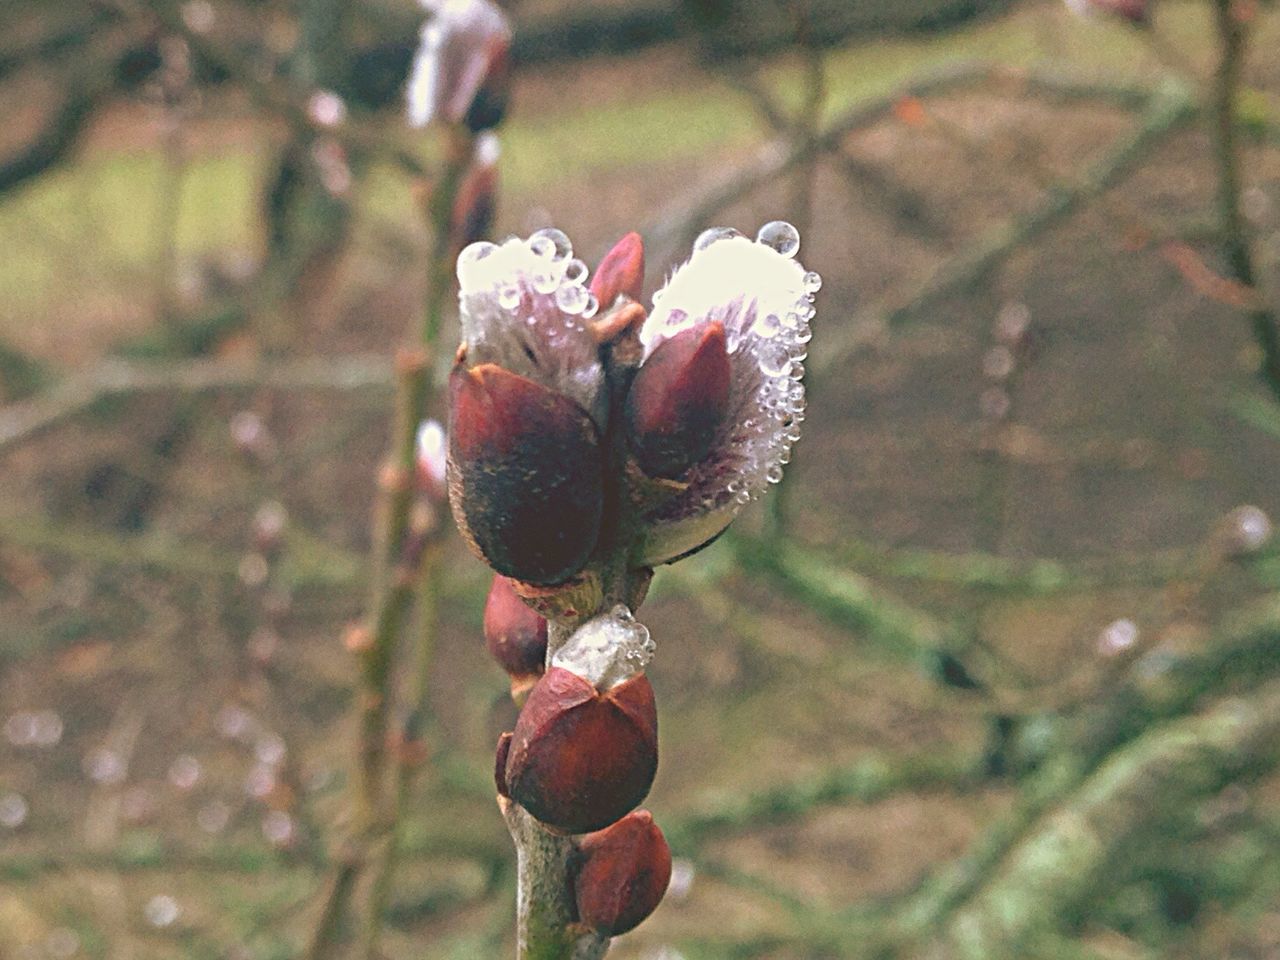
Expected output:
{"points": [[621, 271], [678, 401], [580, 759], [489, 105], [623, 874], [500, 765], [515, 635], [525, 474], [473, 209]]}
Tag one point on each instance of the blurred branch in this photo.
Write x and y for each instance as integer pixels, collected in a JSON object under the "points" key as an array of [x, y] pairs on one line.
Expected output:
{"points": [[307, 565], [848, 600], [1156, 689], [114, 378], [1127, 801], [1232, 37], [866, 781], [1167, 111], [283, 99], [55, 140]]}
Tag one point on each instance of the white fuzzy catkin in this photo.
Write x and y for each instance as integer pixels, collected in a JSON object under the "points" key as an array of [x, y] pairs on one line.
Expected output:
{"points": [[525, 306], [764, 299]]}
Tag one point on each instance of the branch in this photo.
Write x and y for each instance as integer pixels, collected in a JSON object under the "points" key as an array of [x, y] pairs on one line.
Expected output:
{"points": [[1167, 111], [114, 378], [1076, 846], [848, 600], [1240, 256], [867, 781]]}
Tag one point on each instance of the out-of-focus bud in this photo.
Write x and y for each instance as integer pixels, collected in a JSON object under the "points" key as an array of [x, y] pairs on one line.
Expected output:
{"points": [[622, 874], [621, 272], [430, 456], [473, 209], [585, 748], [1134, 11], [525, 474], [678, 401], [515, 635], [761, 299], [461, 72]]}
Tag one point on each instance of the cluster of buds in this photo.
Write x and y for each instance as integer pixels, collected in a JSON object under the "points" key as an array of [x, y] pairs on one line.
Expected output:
{"points": [[590, 440]]}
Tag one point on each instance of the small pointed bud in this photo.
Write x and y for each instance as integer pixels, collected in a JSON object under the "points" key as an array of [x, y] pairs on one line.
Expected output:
{"points": [[471, 219], [515, 635], [585, 748], [460, 72], [581, 758], [525, 474], [621, 272], [623, 872], [679, 400]]}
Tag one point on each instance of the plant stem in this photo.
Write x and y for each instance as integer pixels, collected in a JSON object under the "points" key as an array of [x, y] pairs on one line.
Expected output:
{"points": [[410, 744], [395, 576], [1232, 36]]}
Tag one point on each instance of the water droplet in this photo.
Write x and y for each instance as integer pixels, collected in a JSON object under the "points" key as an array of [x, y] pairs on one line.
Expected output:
{"points": [[714, 235], [571, 298], [509, 296], [542, 246], [681, 885], [592, 305], [13, 811], [469, 257], [561, 248], [812, 282], [774, 474], [767, 326], [575, 271], [162, 911], [780, 236], [773, 357], [742, 497]]}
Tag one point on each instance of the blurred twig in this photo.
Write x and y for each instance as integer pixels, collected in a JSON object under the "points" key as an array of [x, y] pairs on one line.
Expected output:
{"points": [[113, 378], [1167, 111], [1232, 36]]}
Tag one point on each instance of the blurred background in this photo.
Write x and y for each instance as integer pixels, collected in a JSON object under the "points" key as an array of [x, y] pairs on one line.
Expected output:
{"points": [[996, 675]]}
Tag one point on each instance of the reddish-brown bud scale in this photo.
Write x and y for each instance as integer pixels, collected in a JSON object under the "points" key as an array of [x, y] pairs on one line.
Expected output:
{"points": [[679, 400], [581, 759], [473, 209], [489, 105], [500, 765], [515, 635], [620, 272], [623, 872], [525, 474]]}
